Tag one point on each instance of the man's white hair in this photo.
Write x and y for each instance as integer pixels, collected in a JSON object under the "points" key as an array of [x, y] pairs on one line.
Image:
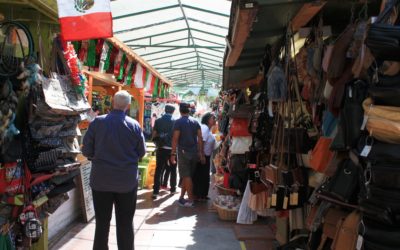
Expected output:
{"points": [[122, 99]]}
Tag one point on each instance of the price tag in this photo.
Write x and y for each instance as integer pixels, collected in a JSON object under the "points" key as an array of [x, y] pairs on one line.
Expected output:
{"points": [[273, 200], [269, 200], [360, 241], [364, 123], [294, 199], [366, 150], [351, 92], [285, 202]]}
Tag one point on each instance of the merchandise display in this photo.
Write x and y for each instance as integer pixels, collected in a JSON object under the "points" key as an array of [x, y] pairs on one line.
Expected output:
{"points": [[316, 139], [39, 134]]}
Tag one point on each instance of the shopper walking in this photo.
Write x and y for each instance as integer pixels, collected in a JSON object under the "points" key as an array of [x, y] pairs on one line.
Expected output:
{"points": [[187, 143], [201, 177], [114, 143], [162, 136]]}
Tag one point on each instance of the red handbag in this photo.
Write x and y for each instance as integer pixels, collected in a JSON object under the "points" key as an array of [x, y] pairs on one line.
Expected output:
{"points": [[239, 127], [321, 156]]}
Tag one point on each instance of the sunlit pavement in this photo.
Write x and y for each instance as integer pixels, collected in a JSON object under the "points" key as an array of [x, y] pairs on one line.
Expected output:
{"points": [[162, 224]]}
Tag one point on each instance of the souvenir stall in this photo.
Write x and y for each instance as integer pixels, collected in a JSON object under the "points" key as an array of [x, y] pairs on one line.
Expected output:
{"points": [[315, 140], [112, 66], [40, 111]]}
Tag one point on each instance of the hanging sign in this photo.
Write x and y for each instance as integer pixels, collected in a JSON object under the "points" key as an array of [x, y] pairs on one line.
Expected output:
{"points": [[85, 19]]}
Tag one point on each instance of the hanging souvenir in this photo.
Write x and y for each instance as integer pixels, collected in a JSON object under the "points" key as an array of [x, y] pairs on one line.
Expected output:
{"points": [[151, 79], [117, 63], [105, 57], [99, 49], [83, 51], [91, 53], [140, 76], [113, 56], [122, 69], [128, 73], [155, 90]]}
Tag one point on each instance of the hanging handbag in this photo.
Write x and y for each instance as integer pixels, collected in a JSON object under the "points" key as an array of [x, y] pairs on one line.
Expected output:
{"points": [[378, 236], [297, 140], [383, 122], [378, 150], [383, 38], [386, 96], [347, 232], [337, 61], [59, 93], [330, 228], [277, 84], [344, 184], [321, 155]]}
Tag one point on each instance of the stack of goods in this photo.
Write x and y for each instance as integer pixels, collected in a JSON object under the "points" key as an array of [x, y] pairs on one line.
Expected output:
{"points": [[38, 144]]}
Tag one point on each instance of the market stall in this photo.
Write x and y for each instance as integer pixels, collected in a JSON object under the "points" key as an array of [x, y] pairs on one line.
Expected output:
{"points": [[46, 91], [311, 142]]}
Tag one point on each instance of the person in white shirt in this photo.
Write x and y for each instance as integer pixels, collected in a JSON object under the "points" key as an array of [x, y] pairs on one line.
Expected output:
{"points": [[201, 178]]}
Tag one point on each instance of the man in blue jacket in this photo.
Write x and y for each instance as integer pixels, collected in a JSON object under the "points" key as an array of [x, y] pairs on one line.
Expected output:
{"points": [[162, 136], [114, 143]]}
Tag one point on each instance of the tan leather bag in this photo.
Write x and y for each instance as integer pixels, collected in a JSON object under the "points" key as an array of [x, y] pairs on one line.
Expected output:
{"points": [[347, 232], [329, 229], [383, 121]]}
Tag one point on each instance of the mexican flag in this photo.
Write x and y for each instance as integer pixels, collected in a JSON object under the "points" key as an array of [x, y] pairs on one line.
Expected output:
{"points": [[85, 19]]}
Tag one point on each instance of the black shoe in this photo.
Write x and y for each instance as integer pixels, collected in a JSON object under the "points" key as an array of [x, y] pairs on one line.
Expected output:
{"points": [[172, 191], [154, 196]]}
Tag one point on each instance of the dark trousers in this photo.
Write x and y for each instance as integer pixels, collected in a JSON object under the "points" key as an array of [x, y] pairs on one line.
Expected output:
{"points": [[125, 206], [201, 179], [162, 159], [165, 176]]}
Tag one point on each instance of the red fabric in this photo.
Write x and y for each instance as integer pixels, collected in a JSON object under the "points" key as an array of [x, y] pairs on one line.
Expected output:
{"points": [[240, 127], [90, 26], [321, 156], [9, 181], [226, 180]]}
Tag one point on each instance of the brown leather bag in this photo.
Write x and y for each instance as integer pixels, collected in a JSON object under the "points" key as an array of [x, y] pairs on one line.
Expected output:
{"points": [[347, 232], [331, 219], [338, 56]]}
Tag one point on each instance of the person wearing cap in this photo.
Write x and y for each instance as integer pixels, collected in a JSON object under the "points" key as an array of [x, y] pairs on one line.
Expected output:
{"points": [[187, 146], [162, 136], [114, 143]]}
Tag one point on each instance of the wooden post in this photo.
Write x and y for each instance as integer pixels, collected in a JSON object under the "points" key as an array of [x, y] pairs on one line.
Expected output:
{"points": [[141, 106], [90, 84]]}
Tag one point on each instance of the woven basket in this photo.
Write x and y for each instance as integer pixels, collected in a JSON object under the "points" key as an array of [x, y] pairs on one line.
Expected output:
{"points": [[225, 213], [225, 191]]}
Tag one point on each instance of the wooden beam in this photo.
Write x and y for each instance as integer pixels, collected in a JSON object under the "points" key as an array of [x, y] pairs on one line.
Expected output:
{"points": [[250, 82], [245, 16], [306, 13]]}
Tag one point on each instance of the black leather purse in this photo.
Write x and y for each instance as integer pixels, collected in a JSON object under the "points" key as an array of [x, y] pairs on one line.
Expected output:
{"points": [[383, 39], [386, 96], [345, 184]]}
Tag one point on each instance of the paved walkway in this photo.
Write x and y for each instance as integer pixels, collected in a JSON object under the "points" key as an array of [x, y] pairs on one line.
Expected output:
{"points": [[163, 225]]}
